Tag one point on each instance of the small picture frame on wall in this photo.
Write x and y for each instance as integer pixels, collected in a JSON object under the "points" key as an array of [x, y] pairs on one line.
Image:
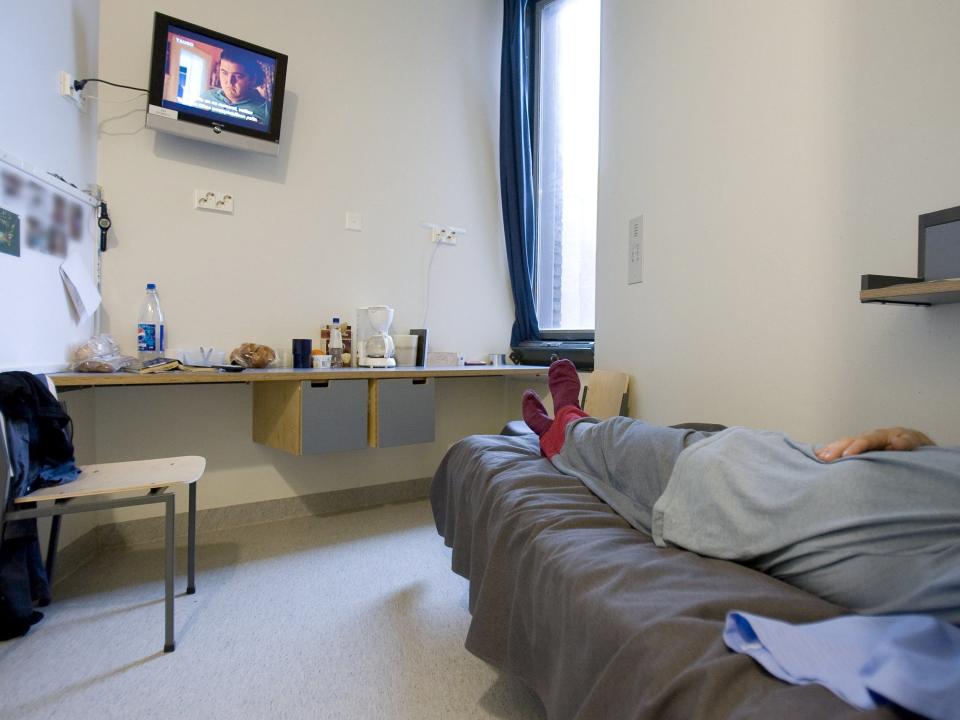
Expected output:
{"points": [[9, 233]]}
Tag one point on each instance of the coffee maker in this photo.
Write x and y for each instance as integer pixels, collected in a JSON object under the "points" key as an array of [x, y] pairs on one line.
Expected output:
{"points": [[372, 342]]}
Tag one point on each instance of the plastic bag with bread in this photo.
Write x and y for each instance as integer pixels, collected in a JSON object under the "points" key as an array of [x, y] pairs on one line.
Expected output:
{"points": [[252, 355]]}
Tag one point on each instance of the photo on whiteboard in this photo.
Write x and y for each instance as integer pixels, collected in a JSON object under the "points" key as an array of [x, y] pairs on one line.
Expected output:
{"points": [[76, 221], [9, 233], [56, 241], [11, 185], [39, 218]]}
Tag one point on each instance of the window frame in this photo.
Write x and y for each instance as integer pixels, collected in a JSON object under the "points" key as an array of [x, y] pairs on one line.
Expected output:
{"points": [[579, 334]]}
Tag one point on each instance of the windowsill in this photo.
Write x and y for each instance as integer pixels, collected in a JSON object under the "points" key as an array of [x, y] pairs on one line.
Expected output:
{"points": [[547, 349], [567, 334]]}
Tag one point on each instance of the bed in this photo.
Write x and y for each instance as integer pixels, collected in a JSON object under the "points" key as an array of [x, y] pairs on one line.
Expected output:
{"points": [[598, 621]]}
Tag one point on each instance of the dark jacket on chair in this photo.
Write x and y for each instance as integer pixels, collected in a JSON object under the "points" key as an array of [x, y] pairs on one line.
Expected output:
{"points": [[40, 453]]}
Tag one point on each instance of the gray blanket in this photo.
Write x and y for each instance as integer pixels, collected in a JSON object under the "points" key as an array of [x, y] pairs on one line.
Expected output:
{"points": [[596, 619]]}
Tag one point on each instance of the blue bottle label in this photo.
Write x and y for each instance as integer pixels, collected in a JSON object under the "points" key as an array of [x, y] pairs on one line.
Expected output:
{"points": [[147, 337]]}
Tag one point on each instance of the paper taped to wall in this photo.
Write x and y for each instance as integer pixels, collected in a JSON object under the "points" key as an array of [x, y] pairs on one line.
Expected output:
{"points": [[80, 287]]}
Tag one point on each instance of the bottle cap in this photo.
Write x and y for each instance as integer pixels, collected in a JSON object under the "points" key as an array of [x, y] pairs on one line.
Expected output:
{"points": [[151, 286]]}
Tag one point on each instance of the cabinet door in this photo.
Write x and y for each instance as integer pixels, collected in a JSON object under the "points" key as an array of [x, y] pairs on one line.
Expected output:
{"points": [[333, 416], [405, 411]]}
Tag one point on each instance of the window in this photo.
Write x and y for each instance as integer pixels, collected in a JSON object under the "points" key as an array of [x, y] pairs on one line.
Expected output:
{"points": [[567, 129]]}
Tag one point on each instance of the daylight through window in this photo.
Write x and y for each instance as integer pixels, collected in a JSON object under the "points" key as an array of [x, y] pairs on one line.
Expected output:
{"points": [[567, 140]]}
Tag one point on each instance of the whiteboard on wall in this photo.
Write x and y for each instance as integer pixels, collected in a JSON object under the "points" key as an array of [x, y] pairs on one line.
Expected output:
{"points": [[44, 223]]}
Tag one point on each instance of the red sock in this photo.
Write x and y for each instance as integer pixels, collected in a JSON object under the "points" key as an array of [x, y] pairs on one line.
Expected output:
{"points": [[534, 413], [551, 442], [564, 384]]}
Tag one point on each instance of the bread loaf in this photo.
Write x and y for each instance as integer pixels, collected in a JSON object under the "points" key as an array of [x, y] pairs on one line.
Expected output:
{"points": [[252, 355]]}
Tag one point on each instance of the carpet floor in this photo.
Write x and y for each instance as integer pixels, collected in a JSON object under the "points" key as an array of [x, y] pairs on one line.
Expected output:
{"points": [[347, 616]]}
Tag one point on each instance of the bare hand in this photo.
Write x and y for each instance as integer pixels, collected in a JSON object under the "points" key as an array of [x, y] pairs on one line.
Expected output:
{"points": [[895, 438]]}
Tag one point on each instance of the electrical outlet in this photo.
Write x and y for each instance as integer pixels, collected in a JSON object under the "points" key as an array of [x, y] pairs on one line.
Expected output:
{"points": [[635, 251], [213, 201], [67, 89], [445, 235]]}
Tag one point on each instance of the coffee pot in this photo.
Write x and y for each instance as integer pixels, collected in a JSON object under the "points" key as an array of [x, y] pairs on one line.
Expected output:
{"points": [[375, 347]]}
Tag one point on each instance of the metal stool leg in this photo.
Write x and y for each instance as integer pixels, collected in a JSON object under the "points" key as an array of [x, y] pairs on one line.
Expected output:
{"points": [[169, 645], [192, 540], [53, 543]]}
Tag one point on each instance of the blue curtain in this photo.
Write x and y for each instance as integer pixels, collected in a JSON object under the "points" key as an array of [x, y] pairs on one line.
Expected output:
{"points": [[516, 164]]}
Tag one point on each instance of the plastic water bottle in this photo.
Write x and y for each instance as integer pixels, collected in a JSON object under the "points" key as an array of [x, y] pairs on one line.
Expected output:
{"points": [[336, 349], [151, 333]]}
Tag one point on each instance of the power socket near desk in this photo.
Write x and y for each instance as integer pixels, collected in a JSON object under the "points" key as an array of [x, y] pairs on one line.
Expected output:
{"points": [[221, 202]]}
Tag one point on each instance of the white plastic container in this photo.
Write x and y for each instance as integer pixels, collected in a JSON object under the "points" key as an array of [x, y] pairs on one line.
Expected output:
{"points": [[151, 331], [336, 348], [204, 356], [405, 350]]}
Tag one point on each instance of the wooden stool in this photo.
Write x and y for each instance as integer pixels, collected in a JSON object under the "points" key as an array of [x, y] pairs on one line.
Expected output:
{"points": [[158, 477]]}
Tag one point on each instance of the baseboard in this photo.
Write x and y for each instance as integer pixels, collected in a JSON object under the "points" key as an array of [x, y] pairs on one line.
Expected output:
{"points": [[148, 530]]}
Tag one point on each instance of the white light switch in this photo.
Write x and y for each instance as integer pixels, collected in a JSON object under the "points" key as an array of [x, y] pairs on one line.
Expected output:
{"points": [[354, 221], [635, 251]]}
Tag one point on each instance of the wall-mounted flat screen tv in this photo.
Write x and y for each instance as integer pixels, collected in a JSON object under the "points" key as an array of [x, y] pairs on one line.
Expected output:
{"points": [[210, 86]]}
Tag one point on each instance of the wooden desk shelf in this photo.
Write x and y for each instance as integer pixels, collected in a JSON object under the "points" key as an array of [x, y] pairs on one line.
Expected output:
{"points": [[176, 377], [931, 292], [315, 411]]}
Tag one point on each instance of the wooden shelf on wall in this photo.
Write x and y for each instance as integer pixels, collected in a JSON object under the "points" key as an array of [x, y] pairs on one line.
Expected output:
{"points": [[930, 292]]}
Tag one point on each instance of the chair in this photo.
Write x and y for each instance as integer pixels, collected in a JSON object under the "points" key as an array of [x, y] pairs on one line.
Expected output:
{"points": [[604, 395], [157, 477]]}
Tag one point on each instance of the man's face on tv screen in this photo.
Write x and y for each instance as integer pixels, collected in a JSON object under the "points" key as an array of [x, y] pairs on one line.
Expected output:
{"points": [[235, 81]]}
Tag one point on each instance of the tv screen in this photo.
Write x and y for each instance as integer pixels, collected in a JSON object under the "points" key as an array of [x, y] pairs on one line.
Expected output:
{"points": [[213, 87]]}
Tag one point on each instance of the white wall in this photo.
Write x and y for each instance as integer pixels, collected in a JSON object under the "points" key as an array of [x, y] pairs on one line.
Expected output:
{"points": [[777, 150], [43, 129], [37, 124], [46, 131], [391, 112]]}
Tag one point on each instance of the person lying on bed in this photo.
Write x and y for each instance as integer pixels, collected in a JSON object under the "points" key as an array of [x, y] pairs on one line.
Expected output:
{"points": [[870, 522]]}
